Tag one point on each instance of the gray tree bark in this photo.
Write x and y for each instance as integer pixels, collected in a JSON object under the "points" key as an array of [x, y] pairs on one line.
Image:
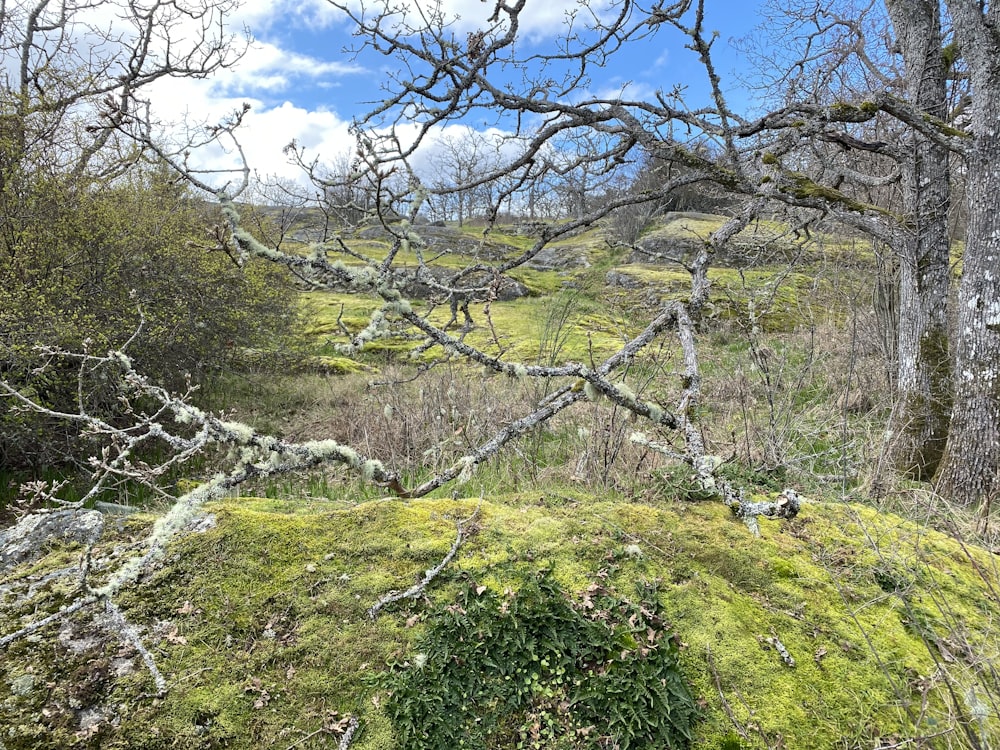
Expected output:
{"points": [[920, 419], [968, 473]]}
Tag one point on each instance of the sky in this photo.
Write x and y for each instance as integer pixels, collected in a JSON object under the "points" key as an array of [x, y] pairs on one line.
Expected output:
{"points": [[302, 85]]}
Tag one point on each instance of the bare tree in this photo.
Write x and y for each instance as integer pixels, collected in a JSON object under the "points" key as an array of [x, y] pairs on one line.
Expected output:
{"points": [[457, 159], [74, 72]]}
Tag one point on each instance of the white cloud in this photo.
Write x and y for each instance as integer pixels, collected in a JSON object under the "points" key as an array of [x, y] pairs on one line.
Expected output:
{"points": [[265, 131], [283, 86], [267, 67], [537, 20], [262, 16]]}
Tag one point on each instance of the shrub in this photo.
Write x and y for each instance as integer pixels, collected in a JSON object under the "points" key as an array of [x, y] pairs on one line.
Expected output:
{"points": [[79, 263]]}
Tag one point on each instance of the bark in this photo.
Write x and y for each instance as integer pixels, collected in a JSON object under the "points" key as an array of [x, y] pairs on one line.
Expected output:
{"points": [[919, 423], [968, 473]]}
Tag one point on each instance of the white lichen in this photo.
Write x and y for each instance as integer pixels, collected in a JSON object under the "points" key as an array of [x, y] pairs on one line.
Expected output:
{"points": [[625, 393], [238, 431], [468, 469], [371, 467]]}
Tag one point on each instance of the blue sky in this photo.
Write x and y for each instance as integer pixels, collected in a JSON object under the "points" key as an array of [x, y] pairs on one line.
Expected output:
{"points": [[302, 85]]}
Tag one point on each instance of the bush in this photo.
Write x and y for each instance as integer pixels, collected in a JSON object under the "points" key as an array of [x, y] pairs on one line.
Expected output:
{"points": [[82, 265]]}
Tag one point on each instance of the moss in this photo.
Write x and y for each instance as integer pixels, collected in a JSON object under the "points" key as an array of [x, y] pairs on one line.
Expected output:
{"points": [[268, 634], [922, 421], [846, 112], [803, 188], [944, 128]]}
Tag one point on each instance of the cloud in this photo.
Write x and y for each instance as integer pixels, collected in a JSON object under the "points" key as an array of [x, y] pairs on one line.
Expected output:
{"points": [[265, 131], [289, 88], [272, 16], [268, 68]]}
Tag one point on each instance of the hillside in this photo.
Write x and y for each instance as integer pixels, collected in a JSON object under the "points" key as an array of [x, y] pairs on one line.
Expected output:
{"points": [[596, 598]]}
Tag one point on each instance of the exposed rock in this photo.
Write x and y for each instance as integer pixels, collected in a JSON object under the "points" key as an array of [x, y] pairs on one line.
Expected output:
{"points": [[26, 540], [558, 257], [623, 280], [91, 719], [657, 249], [203, 523], [78, 641], [446, 239]]}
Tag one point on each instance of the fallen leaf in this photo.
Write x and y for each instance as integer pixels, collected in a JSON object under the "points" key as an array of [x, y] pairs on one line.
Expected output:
{"points": [[173, 637]]}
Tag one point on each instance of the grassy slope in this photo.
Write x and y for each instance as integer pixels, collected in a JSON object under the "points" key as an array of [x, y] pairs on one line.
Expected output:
{"points": [[259, 623]]}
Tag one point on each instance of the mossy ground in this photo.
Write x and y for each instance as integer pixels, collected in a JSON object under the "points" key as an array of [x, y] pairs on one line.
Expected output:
{"points": [[259, 623]]}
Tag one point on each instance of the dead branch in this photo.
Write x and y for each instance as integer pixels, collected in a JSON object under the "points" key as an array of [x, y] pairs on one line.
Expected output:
{"points": [[430, 574]]}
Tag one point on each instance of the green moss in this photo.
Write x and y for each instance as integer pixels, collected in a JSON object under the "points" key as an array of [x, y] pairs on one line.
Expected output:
{"points": [[944, 128], [846, 112], [268, 635], [803, 187], [924, 420]]}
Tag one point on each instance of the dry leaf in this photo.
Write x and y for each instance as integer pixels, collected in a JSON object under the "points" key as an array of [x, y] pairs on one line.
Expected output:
{"points": [[173, 637]]}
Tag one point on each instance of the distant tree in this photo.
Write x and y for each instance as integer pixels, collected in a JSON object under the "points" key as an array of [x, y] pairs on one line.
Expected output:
{"points": [[457, 160]]}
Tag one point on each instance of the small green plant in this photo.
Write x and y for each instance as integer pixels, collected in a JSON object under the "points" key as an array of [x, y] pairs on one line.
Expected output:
{"points": [[533, 669]]}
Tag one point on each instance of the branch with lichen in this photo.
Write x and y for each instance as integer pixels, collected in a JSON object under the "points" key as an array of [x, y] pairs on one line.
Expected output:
{"points": [[705, 465]]}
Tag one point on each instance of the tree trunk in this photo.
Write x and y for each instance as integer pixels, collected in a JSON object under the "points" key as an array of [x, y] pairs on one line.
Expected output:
{"points": [[968, 472], [919, 422]]}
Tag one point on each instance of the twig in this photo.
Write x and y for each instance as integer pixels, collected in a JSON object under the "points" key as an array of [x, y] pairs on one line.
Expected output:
{"points": [[39, 624], [125, 628], [306, 737], [725, 704], [352, 725], [429, 575]]}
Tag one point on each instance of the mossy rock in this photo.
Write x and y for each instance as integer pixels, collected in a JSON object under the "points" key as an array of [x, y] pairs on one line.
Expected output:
{"points": [[260, 628]]}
